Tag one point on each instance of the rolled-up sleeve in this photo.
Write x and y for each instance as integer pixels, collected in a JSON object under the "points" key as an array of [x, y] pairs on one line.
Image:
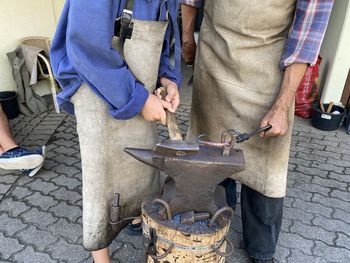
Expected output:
{"points": [[194, 3], [89, 49], [307, 32]]}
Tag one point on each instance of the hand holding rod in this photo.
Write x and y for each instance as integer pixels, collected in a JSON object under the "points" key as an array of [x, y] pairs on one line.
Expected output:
{"points": [[174, 131]]}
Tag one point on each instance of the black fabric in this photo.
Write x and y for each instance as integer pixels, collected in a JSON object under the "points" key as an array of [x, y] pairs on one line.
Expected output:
{"points": [[347, 120], [261, 220], [230, 191]]}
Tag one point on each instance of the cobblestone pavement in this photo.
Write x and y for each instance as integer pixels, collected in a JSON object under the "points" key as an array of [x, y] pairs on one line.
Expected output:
{"points": [[40, 217]]}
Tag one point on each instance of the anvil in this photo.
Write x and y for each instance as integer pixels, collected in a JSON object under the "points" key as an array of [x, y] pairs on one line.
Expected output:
{"points": [[194, 176]]}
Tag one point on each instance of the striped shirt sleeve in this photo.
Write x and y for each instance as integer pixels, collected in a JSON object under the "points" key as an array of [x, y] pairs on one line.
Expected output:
{"points": [[194, 3], [307, 32]]}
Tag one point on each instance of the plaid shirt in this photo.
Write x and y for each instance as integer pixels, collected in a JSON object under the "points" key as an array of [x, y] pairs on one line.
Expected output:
{"points": [[306, 32]]}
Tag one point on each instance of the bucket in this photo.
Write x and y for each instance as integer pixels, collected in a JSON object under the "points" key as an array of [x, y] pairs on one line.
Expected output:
{"points": [[327, 121], [8, 101], [174, 243]]}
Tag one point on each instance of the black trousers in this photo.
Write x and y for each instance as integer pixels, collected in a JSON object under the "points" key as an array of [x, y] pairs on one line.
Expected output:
{"points": [[261, 219]]}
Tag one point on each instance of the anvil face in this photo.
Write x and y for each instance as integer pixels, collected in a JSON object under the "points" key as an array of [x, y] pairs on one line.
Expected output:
{"points": [[195, 177]]}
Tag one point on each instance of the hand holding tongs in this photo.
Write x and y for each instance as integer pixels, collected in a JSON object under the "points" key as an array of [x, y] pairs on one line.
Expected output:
{"points": [[230, 137], [241, 137]]}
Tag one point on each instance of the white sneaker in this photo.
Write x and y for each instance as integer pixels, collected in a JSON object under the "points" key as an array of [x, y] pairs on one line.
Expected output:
{"points": [[32, 172]]}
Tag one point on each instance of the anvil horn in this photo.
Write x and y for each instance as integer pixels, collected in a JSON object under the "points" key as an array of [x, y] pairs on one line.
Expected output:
{"points": [[143, 155]]}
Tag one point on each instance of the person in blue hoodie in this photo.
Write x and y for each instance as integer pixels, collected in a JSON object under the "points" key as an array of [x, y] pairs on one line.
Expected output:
{"points": [[108, 72]]}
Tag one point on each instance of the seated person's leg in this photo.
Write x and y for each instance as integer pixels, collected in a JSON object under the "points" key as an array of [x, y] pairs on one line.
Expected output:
{"points": [[6, 140], [12, 156]]}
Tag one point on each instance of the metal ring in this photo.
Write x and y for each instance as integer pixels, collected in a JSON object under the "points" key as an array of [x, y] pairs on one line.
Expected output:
{"points": [[166, 253], [232, 140], [211, 144], [166, 205], [223, 254], [219, 212]]}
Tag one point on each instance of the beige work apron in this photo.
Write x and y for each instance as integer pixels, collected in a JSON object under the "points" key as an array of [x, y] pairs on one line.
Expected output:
{"points": [[237, 78], [106, 169]]}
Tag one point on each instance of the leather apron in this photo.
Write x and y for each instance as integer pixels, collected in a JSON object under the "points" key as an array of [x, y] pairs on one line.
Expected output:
{"points": [[106, 169], [237, 79]]}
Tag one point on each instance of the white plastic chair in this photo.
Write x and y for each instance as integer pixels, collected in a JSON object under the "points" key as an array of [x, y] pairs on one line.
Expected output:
{"points": [[44, 63]]}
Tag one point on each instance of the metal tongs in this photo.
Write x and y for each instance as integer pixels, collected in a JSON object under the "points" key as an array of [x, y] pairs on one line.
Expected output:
{"points": [[241, 137], [229, 138]]}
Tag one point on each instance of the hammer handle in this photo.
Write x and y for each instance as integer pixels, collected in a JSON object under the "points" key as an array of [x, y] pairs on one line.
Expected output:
{"points": [[174, 131], [322, 107], [330, 107]]}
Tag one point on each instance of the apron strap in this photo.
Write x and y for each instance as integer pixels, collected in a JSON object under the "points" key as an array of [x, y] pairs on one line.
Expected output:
{"points": [[130, 6]]}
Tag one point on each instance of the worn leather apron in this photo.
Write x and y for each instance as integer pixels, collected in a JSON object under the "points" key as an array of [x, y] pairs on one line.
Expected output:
{"points": [[106, 169], [237, 78]]}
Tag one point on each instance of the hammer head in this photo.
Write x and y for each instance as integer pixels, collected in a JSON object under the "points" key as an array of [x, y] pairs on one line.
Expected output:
{"points": [[177, 148]]}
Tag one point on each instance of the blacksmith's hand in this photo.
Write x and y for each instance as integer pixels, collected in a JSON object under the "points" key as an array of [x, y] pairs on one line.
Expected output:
{"points": [[173, 95], [278, 118], [154, 109]]}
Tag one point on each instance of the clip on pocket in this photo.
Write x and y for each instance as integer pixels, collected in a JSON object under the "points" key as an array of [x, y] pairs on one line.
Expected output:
{"points": [[123, 25]]}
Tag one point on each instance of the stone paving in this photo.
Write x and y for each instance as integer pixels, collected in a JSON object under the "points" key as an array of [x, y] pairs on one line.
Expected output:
{"points": [[40, 217]]}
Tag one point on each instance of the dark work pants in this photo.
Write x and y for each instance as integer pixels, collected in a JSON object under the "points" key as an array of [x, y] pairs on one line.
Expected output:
{"points": [[261, 220]]}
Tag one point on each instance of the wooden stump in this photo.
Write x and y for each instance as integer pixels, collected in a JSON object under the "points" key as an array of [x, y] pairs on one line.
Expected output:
{"points": [[187, 243]]}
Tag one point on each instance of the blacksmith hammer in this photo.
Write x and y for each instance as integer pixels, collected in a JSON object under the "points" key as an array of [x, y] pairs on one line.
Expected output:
{"points": [[176, 146]]}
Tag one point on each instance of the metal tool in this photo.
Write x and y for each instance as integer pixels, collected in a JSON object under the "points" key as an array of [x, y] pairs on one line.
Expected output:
{"points": [[195, 169], [241, 137], [115, 220], [194, 177], [176, 146], [174, 131], [190, 217], [230, 137]]}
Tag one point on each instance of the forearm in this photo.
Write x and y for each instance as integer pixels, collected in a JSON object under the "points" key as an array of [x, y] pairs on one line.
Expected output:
{"points": [[293, 74], [189, 14]]}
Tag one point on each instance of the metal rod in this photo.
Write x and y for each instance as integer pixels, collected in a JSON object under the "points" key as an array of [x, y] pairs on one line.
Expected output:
{"points": [[218, 213], [166, 205]]}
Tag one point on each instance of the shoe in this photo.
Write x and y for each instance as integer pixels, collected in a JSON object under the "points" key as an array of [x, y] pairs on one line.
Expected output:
{"points": [[20, 158], [190, 82], [32, 172], [254, 260], [134, 229]]}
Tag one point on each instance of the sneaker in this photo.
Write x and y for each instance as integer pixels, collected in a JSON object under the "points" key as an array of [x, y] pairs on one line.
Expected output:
{"points": [[32, 172], [20, 158], [134, 229], [190, 82]]}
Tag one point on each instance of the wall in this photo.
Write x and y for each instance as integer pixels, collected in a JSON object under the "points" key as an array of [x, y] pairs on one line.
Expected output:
{"points": [[22, 18], [336, 52]]}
